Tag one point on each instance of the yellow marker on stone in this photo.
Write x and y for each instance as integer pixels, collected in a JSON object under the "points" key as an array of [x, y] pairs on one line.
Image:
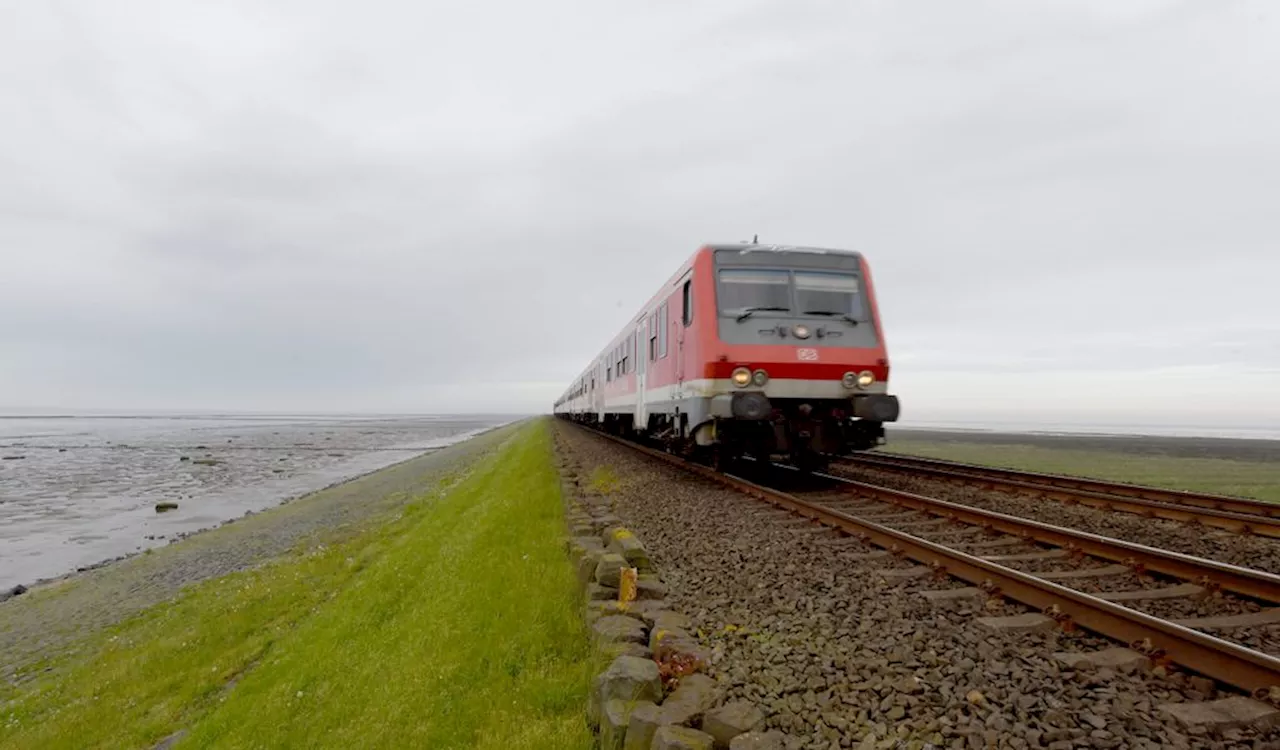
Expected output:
{"points": [[626, 586]]}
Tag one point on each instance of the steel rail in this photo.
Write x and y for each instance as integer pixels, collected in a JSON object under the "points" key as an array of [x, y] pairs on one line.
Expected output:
{"points": [[1154, 498], [1256, 584], [1213, 657]]}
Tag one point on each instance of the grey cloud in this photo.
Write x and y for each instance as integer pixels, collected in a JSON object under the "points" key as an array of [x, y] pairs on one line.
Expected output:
{"points": [[424, 207]]}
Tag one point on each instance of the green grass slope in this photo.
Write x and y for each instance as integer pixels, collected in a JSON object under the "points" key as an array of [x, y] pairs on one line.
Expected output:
{"points": [[457, 624]]}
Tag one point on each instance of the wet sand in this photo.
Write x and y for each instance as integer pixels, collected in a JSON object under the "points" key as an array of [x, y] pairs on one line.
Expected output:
{"points": [[1141, 445], [79, 491], [44, 622]]}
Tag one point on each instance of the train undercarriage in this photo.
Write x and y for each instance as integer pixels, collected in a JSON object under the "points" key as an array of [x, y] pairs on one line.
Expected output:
{"points": [[804, 433]]}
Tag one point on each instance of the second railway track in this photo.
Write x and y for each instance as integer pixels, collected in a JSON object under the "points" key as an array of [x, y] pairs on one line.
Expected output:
{"points": [[1239, 515], [980, 547]]}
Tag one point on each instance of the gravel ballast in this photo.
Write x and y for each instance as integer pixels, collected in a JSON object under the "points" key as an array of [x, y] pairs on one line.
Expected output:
{"points": [[810, 628]]}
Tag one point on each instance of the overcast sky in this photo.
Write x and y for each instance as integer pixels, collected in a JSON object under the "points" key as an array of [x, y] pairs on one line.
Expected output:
{"points": [[1072, 209]]}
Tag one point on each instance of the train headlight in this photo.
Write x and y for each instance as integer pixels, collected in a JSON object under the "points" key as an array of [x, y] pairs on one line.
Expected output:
{"points": [[759, 378], [801, 331], [741, 377], [850, 380], [865, 379]]}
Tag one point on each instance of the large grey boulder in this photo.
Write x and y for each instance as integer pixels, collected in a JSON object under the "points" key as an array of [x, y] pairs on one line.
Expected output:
{"points": [[587, 565], [665, 619], [629, 678], [694, 695], [757, 741], [596, 592], [622, 648], [597, 608], [666, 644], [681, 738], [692, 698], [651, 590], [579, 546], [643, 724], [613, 722], [730, 720], [624, 543], [619, 629], [609, 569]]}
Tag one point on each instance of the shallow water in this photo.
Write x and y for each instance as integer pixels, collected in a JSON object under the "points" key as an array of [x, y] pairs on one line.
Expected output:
{"points": [[75, 491]]}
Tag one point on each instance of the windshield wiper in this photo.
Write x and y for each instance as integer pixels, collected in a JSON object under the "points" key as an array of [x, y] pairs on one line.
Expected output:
{"points": [[832, 313], [747, 312]]}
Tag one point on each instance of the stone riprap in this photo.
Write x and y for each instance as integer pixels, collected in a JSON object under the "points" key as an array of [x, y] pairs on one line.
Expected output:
{"points": [[658, 688]]}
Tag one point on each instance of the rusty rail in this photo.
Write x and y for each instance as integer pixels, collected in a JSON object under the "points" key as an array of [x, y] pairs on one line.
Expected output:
{"points": [[1256, 584], [1214, 657], [1236, 514]]}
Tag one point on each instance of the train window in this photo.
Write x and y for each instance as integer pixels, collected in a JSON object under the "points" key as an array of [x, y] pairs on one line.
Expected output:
{"points": [[686, 302], [662, 331], [653, 337], [828, 293], [742, 288]]}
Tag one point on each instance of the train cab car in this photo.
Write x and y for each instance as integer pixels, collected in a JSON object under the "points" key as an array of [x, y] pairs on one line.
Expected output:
{"points": [[749, 349]]}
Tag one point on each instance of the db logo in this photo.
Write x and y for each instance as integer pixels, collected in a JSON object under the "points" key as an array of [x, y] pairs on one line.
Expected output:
{"points": [[807, 355]]}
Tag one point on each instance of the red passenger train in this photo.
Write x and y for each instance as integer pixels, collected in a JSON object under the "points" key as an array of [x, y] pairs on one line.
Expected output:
{"points": [[748, 349]]}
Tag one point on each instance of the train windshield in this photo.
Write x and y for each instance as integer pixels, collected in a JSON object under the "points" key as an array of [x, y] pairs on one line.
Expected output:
{"points": [[743, 288], [825, 293]]}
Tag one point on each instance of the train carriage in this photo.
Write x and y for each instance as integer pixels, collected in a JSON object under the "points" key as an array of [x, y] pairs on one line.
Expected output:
{"points": [[752, 349]]}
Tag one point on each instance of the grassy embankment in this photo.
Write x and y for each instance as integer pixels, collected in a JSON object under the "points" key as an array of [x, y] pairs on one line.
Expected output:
{"points": [[1255, 479], [457, 624]]}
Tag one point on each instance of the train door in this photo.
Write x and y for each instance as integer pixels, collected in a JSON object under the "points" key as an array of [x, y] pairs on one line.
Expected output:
{"points": [[599, 393], [681, 326], [641, 352]]}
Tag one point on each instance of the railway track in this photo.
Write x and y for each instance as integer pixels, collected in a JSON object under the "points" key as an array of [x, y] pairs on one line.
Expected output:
{"points": [[980, 547], [1239, 515]]}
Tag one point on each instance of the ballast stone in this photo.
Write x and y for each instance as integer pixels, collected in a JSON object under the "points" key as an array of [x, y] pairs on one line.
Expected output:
{"points": [[1031, 622], [1119, 659], [1227, 713]]}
